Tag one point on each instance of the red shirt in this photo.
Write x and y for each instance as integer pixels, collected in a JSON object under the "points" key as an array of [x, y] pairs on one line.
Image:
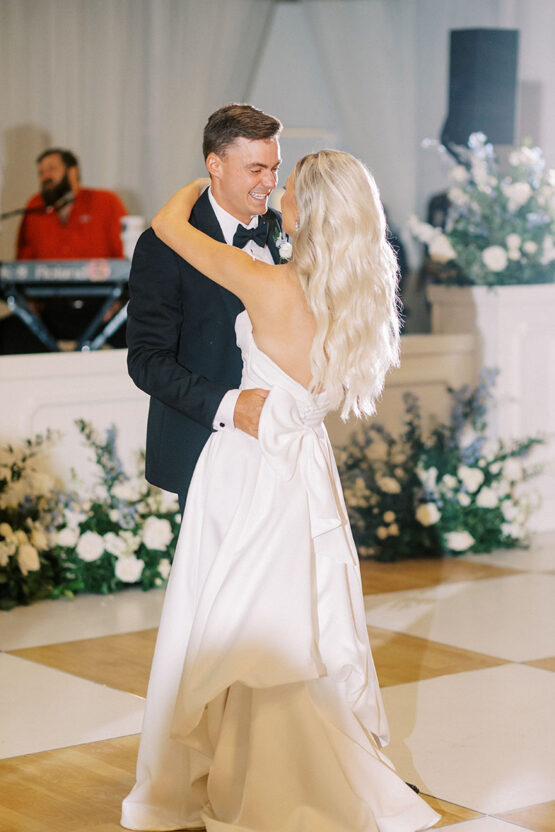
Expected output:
{"points": [[93, 229]]}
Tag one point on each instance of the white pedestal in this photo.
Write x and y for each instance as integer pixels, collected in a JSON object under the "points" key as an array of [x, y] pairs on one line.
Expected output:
{"points": [[515, 326]]}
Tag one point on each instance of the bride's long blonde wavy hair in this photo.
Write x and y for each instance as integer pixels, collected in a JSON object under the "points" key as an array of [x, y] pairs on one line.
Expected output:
{"points": [[349, 274]]}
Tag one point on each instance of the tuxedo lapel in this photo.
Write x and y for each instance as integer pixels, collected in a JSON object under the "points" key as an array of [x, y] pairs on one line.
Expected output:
{"points": [[273, 219]]}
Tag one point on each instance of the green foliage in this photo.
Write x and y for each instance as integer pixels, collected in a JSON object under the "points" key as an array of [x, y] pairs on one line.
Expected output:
{"points": [[449, 492], [57, 542], [500, 228]]}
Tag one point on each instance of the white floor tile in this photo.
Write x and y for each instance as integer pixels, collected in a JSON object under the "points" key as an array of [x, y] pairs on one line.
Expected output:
{"points": [[540, 557], [511, 617], [481, 739], [88, 616], [485, 825], [42, 708]]}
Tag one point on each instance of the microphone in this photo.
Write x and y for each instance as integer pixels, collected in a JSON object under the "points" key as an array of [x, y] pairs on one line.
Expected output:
{"points": [[40, 209]]}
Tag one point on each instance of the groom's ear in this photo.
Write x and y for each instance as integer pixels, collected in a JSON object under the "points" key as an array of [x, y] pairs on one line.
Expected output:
{"points": [[214, 165]]}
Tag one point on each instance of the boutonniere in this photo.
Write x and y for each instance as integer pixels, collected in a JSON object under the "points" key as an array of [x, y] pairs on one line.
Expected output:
{"points": [[282, 244]]}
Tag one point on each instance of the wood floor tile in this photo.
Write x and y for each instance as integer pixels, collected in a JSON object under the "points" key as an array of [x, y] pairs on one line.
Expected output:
{"points": [[543, 664], [69, 790], [414, 574], [120, 661], [540, 818], [400, 658], [450, 812], [80, 789]]}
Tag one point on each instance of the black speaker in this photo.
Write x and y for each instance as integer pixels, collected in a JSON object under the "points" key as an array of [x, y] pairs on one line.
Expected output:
{"points": [[482, 85]]}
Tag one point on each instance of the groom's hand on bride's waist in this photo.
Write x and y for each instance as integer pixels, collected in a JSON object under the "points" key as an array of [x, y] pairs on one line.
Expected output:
{"points": [[248, 409]]}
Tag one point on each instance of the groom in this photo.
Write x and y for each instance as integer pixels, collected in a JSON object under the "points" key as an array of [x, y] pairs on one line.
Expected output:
{"points": [[180, 328]]}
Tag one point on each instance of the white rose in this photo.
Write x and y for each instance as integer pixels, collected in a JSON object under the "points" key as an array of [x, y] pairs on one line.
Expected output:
{"points": [[459, 174], [157, 533], [28, 558], [512, 470], [129, 569], [441, 249], [100, 493], [164, 568], [90, 546], [382, 532], [468, 436], [114, 515], [389, 517], [7, 549], [428, 477], [21, 536], [427, 514], [514, 254], [513, 240], [132, 541], [501, 487], [285, 251], [388, 485], [7, 531], [530, 247], [422, 230], [39, 539], [167, 501], [518, 194], [450, 481], [66, 537], [487, 498], [495, 467], [480, 173], [114, 544], [457, 196], [464, 499], [40, 482], [123, 491], [495, 258], [511, 530], [472, 478], [393, 530], [509, 511], [459, 541]]}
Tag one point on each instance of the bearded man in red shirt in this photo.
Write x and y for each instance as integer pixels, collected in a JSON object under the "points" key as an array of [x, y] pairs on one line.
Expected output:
{"points": [[65, 220]]}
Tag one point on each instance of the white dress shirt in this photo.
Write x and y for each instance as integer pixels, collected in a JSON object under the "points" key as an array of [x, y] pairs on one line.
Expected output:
{"points": [[228, 224]]}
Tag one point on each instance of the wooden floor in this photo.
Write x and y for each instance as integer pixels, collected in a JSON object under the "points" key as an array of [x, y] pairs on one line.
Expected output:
{"points": [[80, 788]]}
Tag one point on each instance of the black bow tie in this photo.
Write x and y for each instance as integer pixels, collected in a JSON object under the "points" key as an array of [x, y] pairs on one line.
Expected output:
{"points": [[259, 234]]}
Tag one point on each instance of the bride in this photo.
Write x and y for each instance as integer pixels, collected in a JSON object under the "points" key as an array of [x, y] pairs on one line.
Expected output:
{"points": [[263, 711]]}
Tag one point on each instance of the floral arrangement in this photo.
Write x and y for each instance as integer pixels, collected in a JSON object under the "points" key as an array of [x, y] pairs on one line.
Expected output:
{"points": [[27, 498], [57, 542], [499, 228], [451, 492]]}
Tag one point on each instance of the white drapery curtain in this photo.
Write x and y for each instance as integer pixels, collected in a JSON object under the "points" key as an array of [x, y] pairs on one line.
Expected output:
{"points": [[387, 66], [126, 84]]}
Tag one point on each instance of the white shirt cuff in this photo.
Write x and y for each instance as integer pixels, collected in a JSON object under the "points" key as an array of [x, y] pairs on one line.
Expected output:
{"points": [[224, 414]]}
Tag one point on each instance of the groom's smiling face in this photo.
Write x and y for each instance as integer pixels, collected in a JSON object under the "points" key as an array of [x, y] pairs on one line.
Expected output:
{"points": [[244, 176]]}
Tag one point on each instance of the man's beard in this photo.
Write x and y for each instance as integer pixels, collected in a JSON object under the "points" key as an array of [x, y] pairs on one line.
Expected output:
{"points": [[53, 193]]}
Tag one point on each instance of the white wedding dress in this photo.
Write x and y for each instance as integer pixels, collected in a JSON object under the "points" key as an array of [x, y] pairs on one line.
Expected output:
{"points": [[263, 711]]}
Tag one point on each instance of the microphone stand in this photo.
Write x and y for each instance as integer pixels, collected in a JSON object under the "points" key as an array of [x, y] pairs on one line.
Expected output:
{"points": [[39, 209]]}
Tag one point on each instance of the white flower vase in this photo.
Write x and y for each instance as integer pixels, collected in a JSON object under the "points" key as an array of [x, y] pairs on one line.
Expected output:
{"points": [[515, 326]]}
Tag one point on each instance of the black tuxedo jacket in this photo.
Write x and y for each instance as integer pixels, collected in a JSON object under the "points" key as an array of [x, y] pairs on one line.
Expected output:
{"points": [[182, 349]]}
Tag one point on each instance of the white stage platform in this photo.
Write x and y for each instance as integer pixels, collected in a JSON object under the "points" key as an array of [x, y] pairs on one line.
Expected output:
{"points": [[52, 390]]}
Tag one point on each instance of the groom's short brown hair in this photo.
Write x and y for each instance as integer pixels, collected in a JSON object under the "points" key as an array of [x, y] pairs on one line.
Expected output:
{"points": [[236, 121]]}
